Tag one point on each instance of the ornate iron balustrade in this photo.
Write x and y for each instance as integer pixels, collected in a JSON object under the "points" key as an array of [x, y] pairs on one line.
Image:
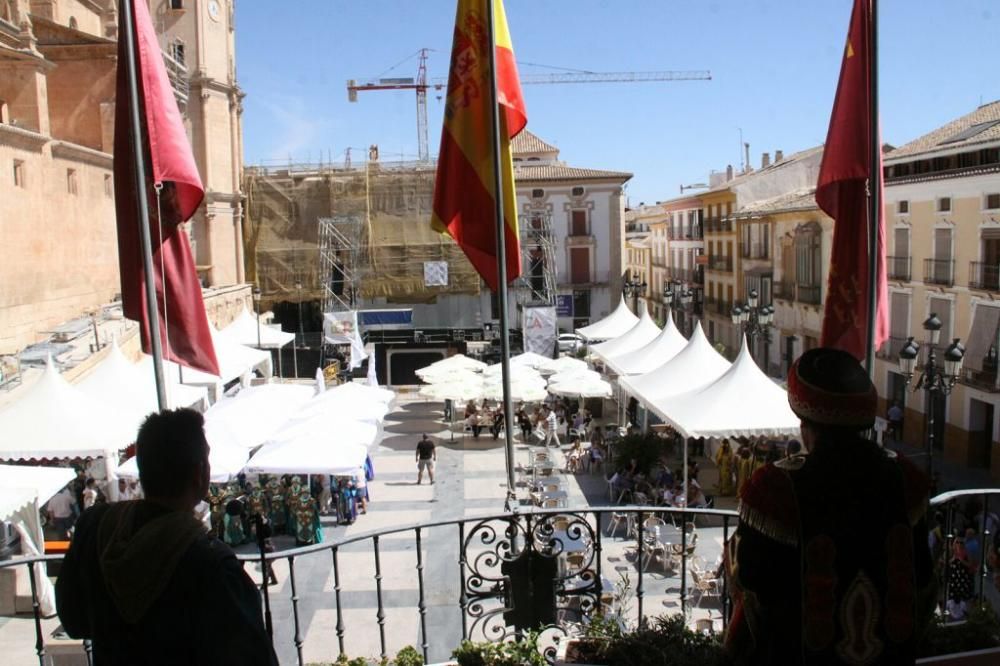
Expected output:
{"points": [[494, 555], [720, 264], [899, 268], [809, 294], [939, 271], [984, 276], [499, 557]]}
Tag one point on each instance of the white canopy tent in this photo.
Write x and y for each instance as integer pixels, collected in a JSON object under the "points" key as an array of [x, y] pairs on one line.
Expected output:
{"points": [[615, 324], [456, 362], [694, 367], [53, 419], [365, 391], [587, 388], [325, 444], [348, 406], [23, 490], [244, 330], [254, 414], [743, 402], [660, 350], [119, 382], [644, 332], [574, 376]]}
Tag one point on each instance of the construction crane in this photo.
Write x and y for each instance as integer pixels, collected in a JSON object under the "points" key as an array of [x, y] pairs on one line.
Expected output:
{"points": [[421, 85]]}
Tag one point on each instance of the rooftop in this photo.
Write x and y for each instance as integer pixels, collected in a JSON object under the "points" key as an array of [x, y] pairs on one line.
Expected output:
{"points": [[982, 126], [786, 161], [527, 143], [785, 203], [548, 172]]}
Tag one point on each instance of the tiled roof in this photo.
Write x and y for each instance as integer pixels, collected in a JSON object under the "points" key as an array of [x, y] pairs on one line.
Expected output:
{"points": [[524, 173], [980, 126], [526, 142], [743, 177], [792, 201]]}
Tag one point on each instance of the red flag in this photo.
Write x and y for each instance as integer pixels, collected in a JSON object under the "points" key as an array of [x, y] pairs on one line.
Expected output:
{"points": [[842, 193], [184, 329], [464, 190]]}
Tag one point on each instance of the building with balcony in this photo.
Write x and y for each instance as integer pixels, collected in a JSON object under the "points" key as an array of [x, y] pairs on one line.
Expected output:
{"points": [[652, 219], [942, 208], [585, 209], [685, 256], [57, 108], [638, 264]]}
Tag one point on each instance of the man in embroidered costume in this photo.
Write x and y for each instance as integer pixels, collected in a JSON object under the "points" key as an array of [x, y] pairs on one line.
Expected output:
{"points": [[830, 563]]}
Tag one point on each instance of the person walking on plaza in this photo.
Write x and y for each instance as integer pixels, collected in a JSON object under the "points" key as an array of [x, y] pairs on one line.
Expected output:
{"points": [[895, 418], [830, 562], [426, 457], [145, 582], [551, 428], [61, 509]]}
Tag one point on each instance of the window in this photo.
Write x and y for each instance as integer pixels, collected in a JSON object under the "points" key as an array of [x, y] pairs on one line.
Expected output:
{"points": [[72, 23], [108, 185], [581, 303], [4, 113], [18, 173], [537, 194], [578, 223], [71, 184], [903, 207], [993, 201], [944, 205], [579, 259], [577, 191], [808, 262], [177, 51], [177, 4]]}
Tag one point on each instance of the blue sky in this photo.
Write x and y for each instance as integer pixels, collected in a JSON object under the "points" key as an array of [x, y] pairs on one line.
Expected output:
{"points": [[774, 65]]}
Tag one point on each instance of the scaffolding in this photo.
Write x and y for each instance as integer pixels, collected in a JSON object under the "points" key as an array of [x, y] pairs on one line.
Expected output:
{"points": [[537, 284], [347, 235]]}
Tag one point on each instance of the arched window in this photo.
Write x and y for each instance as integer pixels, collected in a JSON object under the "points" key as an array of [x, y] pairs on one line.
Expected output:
{"points": [[72, 23], [4, 113]]}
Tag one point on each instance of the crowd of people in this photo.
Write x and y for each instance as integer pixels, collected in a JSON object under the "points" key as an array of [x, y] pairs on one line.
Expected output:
{"points": [[62, 511]]}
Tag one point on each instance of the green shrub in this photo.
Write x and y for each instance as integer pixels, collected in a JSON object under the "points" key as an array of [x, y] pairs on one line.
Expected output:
{"points": [[980, 630], [662, 641], [647, 449], [522, 652]]}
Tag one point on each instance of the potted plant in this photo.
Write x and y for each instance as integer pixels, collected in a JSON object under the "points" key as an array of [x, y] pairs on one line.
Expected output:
{"points": [[661, 641], [976, 640], [520, 652]]}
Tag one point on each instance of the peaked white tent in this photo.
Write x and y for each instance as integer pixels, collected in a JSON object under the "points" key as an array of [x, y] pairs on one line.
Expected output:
{"points": [[53, 419], [617, 323], [367, 392], [644, 332], [660, 350], [694, 367], [255, 413], [244, 330], [743, 402], [119, 382], [320, 445]]}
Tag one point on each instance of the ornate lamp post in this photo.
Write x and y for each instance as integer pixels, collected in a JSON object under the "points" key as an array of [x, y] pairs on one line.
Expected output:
{"points": [[256, 306], [295, 344], [676, 297], [633, 288], [754, 320], [934, 380]]}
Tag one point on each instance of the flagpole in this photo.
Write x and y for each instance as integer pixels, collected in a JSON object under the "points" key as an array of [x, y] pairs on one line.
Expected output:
{"points": [[501, 256], [874, 188], [141, 193]]}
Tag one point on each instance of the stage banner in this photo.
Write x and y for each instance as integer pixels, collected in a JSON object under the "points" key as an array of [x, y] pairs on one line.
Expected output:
{"points": [[341, 328], [540, 331]]}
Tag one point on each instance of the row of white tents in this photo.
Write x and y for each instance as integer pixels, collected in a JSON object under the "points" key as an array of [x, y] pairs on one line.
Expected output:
{"points": [[687, 383]]}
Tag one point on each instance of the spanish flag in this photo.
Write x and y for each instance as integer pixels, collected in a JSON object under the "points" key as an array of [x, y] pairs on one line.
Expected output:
{"points": [[464, 191]]}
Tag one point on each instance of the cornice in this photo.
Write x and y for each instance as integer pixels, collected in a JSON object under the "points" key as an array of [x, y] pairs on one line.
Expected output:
{"points": [[76, 152], [11, 135]]}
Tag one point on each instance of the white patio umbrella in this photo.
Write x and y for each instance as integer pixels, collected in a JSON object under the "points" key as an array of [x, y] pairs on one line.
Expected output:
{"points": [[447, 374], [519, 392], [458, 361], [457, 391], [569, 376], [593, 388], [562, 364]]}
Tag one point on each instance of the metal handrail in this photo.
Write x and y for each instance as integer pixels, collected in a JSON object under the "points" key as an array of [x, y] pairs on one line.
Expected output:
{"points": [[527, 525]]}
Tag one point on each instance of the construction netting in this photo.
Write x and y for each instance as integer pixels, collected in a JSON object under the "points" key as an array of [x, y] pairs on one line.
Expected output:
{"points": [[313, 230]]}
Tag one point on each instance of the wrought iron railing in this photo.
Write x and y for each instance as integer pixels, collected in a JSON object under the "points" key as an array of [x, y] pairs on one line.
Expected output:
{"points": [[890, 348], [496, 555], [939, 271], [984, 276], [720, 263], [899, 268], [809, 293]]}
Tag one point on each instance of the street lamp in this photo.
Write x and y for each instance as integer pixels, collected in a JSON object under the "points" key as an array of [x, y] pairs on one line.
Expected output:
{"points": [[754, 319], [295, 345], [934, 380], [256, 306], [634, 287], [676, 297]]}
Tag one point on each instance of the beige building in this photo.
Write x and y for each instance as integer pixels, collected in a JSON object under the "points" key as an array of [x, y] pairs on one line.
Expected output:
{"points": [[942, 206], [650, 220], [57, 100], [683, 249], [638, 266]]}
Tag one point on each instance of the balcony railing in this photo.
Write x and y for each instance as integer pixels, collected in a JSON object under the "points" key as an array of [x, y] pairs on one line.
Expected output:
{"points": [[985, 379], [720, 264], [890, 348], [755, 250], [783, 290], [593, 277], [685, 232], [809, 294], [939, 271], [984, 276], [898, 268], [490, 556], [718, 224]]}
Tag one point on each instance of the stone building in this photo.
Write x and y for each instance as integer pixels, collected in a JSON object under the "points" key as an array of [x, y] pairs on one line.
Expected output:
{"points": [[942, 207], [57, 100]]}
